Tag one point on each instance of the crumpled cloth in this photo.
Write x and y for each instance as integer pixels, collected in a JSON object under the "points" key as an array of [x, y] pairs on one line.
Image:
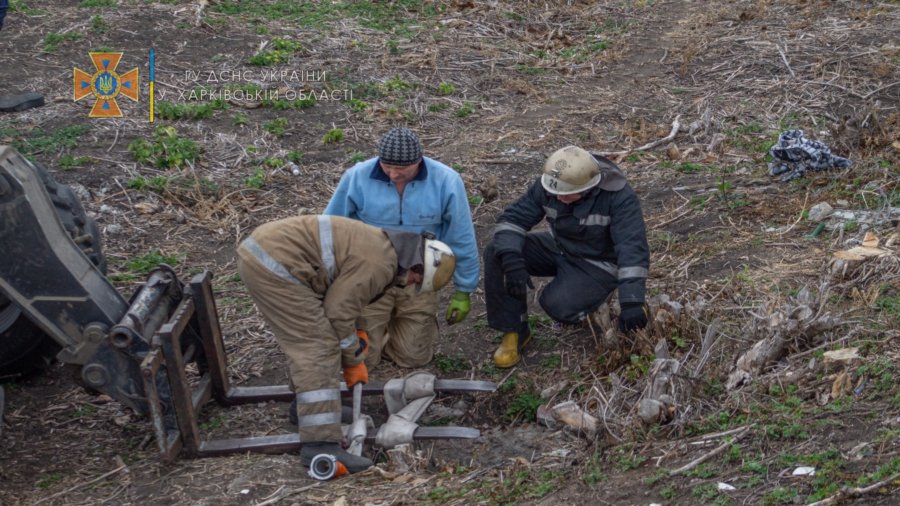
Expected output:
{"points": [[794, 154]]}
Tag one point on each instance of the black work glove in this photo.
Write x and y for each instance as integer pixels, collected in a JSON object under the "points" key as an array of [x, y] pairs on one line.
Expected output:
{"points": [[632, 317], [517, 279]]}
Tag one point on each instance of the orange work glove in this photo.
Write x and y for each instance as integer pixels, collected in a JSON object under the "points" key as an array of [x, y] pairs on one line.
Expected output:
{"points": [[354, 374]]}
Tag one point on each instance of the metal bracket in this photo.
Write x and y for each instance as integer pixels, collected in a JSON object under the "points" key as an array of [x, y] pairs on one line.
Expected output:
{"points": [[174, 404]]}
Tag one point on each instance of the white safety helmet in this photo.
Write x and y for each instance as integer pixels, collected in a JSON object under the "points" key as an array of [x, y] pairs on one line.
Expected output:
{"points": [[440, 262], [570, 170]]}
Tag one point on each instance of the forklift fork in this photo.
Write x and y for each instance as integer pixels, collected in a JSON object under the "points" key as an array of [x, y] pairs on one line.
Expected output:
{"points": [[174, 403]]}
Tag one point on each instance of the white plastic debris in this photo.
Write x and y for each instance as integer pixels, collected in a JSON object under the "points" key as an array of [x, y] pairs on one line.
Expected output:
{"points": [[804, 471], [295, 169], [245, 491], [725, 487]]}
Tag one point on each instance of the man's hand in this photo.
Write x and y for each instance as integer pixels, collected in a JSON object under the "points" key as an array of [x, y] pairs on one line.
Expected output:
{"points": [[459, 307], [354, 374], [632, 317], [517, 279]]}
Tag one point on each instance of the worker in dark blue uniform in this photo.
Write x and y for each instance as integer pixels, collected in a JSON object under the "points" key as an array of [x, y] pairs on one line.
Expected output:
{"points": [[596, 243]]}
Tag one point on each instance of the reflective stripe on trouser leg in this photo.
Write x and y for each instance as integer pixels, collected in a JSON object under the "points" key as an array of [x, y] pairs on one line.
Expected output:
{"points": [[296, 316], [413, 328]]}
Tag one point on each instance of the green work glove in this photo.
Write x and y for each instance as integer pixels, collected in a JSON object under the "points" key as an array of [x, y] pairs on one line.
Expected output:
{"points": [[459, 307]]}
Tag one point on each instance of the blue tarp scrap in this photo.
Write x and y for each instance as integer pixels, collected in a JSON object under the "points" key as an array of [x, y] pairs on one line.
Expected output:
{"points": [[794, 154]]}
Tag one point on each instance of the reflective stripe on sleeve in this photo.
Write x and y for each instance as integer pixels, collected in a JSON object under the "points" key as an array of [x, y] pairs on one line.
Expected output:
{"points": [[595, 219], [505, 226], [268, 262], [632, 272], [606, 266], [327, 241]]}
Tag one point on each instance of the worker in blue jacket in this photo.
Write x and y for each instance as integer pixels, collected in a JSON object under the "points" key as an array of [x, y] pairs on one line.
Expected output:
{"points": [[403, 190], [596, 242]]}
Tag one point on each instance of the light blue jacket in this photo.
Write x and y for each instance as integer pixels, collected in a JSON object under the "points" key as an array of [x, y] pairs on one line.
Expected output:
{"points": [[435, 201]]}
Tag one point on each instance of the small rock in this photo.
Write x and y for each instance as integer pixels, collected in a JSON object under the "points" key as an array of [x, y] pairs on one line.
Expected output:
{"points": [[105, 209], [820, 211], [842, 203], [113, 229], [841, 355], [673, 152], [725, 487], [81, 192]]}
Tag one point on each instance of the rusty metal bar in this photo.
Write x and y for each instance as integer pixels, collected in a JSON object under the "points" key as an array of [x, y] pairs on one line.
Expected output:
{"points": [[169, 338], [168, 442], [211, 336]]}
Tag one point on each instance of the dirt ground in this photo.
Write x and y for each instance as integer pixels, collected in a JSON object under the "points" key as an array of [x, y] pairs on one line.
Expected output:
{"points": [[686, 96]]}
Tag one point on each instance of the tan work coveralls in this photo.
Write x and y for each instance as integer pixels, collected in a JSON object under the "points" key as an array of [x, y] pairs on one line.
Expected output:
{"points": [[311, 277]]}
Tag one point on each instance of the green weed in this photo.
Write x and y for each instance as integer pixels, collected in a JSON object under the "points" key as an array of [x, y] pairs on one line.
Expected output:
{"points": [[69, 162], [98, 25], [333, 135], [446, 89], [167, 150], [280, 52], [524, 405], [37, 142], [448, 363], [98, 3], [149, 261], [240, 119], [53, 40], [191, 110], [276, 126], [48, 480], [257, 180]]}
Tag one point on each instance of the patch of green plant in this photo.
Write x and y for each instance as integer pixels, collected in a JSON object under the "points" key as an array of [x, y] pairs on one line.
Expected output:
{"points": [[638, 367], [395, 84], [240, 119], [524, 405], [881, 371], [509, 385], [450, 363], [215, 423], [668, 492], [779, 495], [295, 156], [357, 105], [191, 110], [475, 200], [20, 7], [98, 3], [84, 410], [529, 70], [53, 40], [551, 362], [357, 156], [37, 142], [49, 480], [626, 460], [257, 180], [520, 486], [149, 261], [98, 25], [166, 150], [708, 493], [703, 471], [438, 107], [280, 52], [333, 135], [69, 162], [276, 126], [446, 88], [593, 469]]}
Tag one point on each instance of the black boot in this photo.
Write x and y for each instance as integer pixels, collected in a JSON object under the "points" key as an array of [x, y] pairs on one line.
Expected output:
{"points": [[353, 463], [20, 102]]}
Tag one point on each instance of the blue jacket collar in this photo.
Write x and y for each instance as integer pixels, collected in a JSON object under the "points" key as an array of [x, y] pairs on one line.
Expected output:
{"points": [[379, 174]]}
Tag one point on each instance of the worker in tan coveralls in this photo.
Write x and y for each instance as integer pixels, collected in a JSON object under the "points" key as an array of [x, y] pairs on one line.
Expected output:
{"points": [[311, 276]]}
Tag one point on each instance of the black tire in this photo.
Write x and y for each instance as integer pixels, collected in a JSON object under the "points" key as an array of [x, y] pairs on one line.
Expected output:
{"points": [[24, 347]]}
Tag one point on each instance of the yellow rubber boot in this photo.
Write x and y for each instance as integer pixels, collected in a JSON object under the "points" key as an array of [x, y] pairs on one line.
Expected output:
{"points": [[507, 355]]}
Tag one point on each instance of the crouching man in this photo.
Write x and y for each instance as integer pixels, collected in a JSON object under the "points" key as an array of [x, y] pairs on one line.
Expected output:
{"points": [[596, 243], [311, 277]]}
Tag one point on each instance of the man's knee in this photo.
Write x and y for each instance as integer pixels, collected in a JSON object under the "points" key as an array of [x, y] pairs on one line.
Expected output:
{"points": [[559, 308]]}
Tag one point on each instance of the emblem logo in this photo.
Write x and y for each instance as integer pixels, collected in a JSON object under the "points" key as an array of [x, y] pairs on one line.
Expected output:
{"points": [[105, 84]]}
